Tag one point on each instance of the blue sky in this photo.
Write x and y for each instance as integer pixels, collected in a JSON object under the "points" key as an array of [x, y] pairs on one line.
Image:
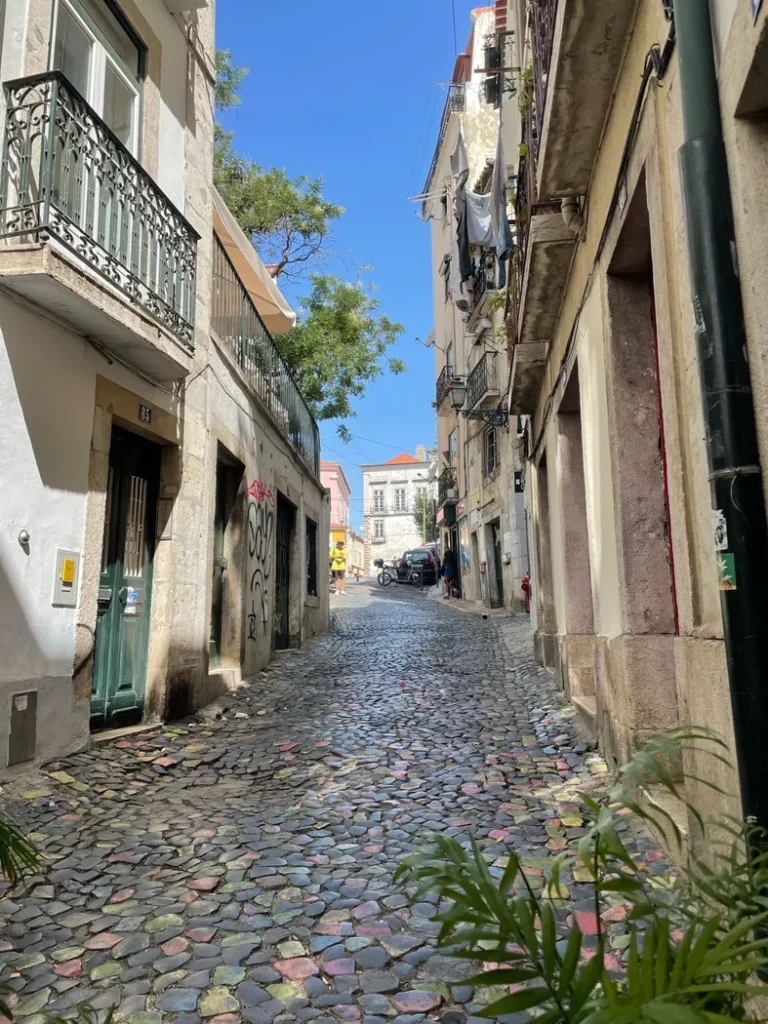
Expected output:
{"points": [[347, 90]]}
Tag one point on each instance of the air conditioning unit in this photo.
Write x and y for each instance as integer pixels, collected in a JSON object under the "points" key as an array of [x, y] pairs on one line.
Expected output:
{"points": [[457, 99]]}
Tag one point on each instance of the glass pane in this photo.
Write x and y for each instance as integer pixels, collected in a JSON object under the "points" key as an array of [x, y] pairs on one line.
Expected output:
{"points": [[119, 104], [72, 50], [133, 556]]}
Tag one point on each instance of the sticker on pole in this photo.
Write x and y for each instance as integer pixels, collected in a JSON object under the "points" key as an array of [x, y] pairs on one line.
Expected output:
{"points": [[720, 529], [726, 571]]}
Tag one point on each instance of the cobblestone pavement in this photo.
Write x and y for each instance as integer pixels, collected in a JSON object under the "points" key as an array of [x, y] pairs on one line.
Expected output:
{"points": [[240, 868]]}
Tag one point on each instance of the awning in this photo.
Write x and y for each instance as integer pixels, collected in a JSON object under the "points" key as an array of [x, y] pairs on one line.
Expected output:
{"points": [[265, 295]]}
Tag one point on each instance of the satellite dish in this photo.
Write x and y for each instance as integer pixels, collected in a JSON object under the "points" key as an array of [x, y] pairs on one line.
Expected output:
{"points": [[430, 339]]}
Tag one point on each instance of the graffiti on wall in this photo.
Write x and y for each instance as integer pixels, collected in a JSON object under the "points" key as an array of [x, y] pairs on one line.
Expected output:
{"points": [[260, 492], [261, 525]]}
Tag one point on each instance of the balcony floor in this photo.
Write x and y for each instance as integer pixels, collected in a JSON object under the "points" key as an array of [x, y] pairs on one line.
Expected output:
{"points": [[56, 281], [587, 53]]}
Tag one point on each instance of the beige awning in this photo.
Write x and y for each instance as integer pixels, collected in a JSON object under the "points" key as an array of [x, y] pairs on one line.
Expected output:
{"points": [[266, 296]]}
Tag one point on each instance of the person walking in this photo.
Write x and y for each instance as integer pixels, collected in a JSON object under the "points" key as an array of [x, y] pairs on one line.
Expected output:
{"points": [[339, 566], [449, 570]]}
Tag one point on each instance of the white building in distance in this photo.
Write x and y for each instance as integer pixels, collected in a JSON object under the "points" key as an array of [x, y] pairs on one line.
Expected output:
{"points": [[391, 491]]}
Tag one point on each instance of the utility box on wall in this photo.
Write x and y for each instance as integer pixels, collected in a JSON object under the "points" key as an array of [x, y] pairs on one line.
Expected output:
{"points": [[66, 578], [23, 733]]}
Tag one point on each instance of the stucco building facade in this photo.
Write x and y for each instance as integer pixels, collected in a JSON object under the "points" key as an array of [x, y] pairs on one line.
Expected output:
{"points": [[391, 491], [625, 542], [159, 472], [481, 511], [334, 479]]}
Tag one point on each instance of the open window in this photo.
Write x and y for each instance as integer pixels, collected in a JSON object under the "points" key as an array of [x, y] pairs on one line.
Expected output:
{"points": [[94, 47]]}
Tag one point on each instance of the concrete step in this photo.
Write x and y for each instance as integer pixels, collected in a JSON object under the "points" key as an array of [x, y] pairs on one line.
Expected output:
{"points": [[586, 707]]}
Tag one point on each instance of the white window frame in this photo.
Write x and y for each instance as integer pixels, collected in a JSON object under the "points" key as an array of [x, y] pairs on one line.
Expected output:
{"points": [[378, 531], [97, 72], [488, 435], [401, 499], [378, 500]]}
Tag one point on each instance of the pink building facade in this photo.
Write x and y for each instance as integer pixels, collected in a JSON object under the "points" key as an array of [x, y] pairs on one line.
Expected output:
{"points": [[332, 477]]}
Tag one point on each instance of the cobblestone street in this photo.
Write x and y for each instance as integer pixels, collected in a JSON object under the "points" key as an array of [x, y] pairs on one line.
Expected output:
{"points": [[240, 867]]}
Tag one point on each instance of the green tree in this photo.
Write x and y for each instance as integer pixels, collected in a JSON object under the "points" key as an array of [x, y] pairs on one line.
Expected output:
{"points": [[289, 220], [425, 517], [340, 341], [338, 344]]}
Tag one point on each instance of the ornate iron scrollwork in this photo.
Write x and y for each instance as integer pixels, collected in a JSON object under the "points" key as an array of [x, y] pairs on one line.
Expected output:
{"points": [[65, 175]]}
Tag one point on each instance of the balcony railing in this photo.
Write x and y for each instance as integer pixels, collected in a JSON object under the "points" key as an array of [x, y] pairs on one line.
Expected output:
{"points": [[482, 380], [237, 324], [447, 488], [443, 385], [484, 274], [543, 14], [526, 195], [66, 176]]}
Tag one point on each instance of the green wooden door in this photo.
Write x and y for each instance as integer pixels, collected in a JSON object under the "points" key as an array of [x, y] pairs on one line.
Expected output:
{"points": [[125, 586]]}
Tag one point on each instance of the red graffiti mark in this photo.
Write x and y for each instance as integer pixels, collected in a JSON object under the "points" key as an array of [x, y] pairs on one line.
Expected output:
{"points": [[261, 492]]}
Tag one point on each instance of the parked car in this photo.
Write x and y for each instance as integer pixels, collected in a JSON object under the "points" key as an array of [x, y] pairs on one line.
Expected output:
{"points": [[424, 560]]}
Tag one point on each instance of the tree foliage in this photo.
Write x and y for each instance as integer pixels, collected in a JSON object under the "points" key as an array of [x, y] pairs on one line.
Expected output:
{"points": [[289, 220], [339, 343], [425, 518]]}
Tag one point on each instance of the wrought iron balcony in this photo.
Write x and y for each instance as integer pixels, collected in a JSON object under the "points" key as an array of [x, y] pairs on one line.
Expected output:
{"points": [[543, 15], [66, 176], [447, 488], [484, 274], [482, 382], [237, 323], [443, 385]]}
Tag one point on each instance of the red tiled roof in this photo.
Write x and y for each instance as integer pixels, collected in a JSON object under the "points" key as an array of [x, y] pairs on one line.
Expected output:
{"points": [[402, 459]]}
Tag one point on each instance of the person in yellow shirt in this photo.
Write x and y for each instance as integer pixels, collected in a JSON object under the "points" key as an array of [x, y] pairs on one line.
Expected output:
{"points": [[338, 558]]}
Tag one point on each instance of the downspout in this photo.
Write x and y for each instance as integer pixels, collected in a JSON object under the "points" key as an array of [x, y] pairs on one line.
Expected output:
{"points": [[734, 466], [572, 215]]}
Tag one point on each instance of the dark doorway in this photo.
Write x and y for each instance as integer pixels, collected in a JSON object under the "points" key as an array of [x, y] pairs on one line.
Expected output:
{"points": [[286, 524], [229, 475], [125, 584], [498, 598], [454, 535]]}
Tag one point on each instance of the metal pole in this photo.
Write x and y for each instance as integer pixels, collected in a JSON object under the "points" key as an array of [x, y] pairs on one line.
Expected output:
{"points": [[739, 516]]}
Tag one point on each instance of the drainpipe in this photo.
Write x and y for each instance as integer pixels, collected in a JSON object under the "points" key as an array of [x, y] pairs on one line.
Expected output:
{"points": [[572, 215], [739, 518]]}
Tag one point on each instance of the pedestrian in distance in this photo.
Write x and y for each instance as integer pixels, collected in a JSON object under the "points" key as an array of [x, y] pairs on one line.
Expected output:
{"points": [[449, 571], [338, 558]]}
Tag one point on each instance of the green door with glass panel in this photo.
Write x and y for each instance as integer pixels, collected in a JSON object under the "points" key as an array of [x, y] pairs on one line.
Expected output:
{"points": [[125, 586]]}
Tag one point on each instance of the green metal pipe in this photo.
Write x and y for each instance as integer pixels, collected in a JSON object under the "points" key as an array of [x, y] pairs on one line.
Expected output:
{"points": [[739, 514]]}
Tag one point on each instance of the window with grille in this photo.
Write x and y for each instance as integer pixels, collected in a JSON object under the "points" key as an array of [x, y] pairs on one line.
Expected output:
{"points": [[378, 529], [378, 501], [490, 451], [311, 558], [400, 502]]}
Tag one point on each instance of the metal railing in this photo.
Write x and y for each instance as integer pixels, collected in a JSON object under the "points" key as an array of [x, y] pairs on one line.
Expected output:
{"points": [[484, 274], [447, 487], [543, 15], [443, 385], [527, 205], [481, 380], [237, 323], [65, 175]]}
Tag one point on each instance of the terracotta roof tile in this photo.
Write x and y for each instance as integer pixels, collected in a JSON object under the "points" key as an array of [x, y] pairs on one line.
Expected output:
{"points": [[402, 459]]}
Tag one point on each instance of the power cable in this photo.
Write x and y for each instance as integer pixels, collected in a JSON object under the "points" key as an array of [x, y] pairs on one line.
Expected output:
{"points": [[455, 37]]}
